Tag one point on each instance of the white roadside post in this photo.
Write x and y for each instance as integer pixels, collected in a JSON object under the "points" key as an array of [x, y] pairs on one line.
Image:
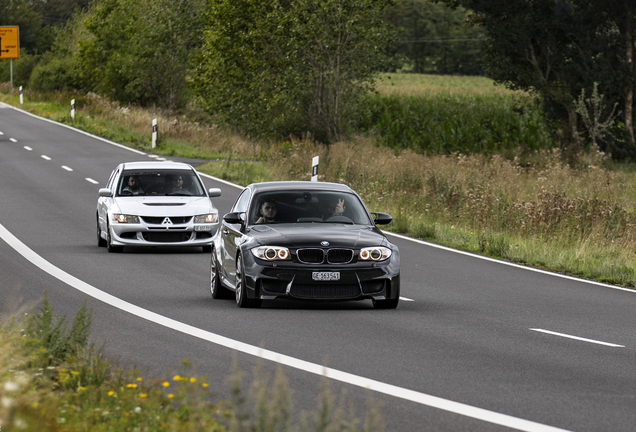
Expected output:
{"points": [[21, 99], [314, 169], [72, 108], [154, 133]]}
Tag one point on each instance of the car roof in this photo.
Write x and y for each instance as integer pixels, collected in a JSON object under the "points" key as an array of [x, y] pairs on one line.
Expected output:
{"points": [[296, 185], [157, 165]]}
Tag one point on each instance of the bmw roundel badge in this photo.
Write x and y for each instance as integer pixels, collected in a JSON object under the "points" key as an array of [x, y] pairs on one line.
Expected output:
{"points": [[324, 243]]}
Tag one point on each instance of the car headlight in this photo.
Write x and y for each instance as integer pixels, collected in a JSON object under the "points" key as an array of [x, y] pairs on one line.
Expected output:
{"points": [[207, 218], [122, 218], [271, 253], [375, 253]]}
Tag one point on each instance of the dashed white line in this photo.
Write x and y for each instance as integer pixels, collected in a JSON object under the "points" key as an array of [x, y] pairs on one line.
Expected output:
{"points": [[67, 168], [578, 338], [28, 148], [90, 180], [45, 157], [13, 140], [406, 299], [1, 133]]}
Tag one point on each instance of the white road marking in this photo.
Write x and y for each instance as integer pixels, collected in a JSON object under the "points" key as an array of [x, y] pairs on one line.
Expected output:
{"points": [[45, 157], [28, 148], [67, 168], [314, 368], [152, 156], [160, 159], [1, 133], [406, 299], [578, 338], [90, 180], [13, 140]]}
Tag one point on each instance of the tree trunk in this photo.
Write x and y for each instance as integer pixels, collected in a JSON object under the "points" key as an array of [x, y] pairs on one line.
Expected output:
{"points": [[629, 90]]}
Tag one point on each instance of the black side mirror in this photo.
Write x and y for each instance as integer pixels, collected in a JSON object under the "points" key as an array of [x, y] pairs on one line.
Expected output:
{"points": [[381, 218], [234, 218]]}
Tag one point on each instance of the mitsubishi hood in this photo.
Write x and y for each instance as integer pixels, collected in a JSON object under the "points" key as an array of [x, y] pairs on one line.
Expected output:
{"points": [[164, 206]]}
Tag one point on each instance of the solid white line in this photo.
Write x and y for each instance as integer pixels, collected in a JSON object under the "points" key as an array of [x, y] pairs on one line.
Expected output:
{"points": [[13, 140], [67, 168], [578, 338], [536, 270], [88, 179], [388, 389], [77, 130], [28, 148], [45, 157]]}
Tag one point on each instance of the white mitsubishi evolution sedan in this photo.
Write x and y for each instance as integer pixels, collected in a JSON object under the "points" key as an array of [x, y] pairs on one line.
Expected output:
{"points": [[156, 204]]}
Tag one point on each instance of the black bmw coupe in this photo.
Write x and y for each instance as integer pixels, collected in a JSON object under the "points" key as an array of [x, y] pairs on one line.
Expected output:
{"points": [[303, 240]]}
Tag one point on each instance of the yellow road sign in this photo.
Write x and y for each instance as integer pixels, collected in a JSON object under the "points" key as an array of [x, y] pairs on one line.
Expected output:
{"points": [[9, 42]]}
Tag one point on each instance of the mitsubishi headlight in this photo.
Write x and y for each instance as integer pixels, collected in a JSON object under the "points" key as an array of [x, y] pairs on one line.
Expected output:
{"points": [[375, 253], [206, 218], [271, 253], [123, 218]]}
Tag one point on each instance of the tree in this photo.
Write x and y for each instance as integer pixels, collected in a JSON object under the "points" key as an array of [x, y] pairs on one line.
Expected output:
{"points": [[138, 53], [435, 39], [557, 48], [279, 67]]}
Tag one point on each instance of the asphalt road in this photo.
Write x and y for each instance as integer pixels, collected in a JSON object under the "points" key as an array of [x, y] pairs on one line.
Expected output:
{"points": [[481, 346]]}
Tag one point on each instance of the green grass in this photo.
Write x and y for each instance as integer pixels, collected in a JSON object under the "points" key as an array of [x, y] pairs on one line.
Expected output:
{"points": [[53, 380]]}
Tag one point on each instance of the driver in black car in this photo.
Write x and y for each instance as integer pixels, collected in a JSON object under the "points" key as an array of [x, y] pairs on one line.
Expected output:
{"points": [[134, 186], [336, 207], [267, 212]]}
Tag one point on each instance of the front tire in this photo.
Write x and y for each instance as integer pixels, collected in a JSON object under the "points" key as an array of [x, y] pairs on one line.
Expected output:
{"points": [[109, 246], [388, 303], [242, 300], [216, 289], [100, 241]]}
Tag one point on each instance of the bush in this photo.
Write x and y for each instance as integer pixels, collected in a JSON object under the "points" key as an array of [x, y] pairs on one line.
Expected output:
{"points": [[59, 73], [22, 69]]}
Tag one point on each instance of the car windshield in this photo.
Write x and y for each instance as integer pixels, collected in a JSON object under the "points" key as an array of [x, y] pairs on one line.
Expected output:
{"points": [[307, 207], [159, 182]]}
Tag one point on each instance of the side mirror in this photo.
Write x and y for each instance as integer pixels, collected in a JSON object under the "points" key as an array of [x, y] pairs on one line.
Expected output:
{"points": [[234, 218], [214, 192], [381, 218], [105, 192]]}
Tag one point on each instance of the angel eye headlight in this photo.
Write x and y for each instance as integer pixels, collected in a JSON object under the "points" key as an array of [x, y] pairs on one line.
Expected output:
{"points": [[271, 253], [375, 253], [207, 218], [122, 218]]}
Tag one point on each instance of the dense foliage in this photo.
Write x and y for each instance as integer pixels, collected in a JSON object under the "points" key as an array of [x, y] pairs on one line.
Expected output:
{"points": [[435, 39], [278, 68], [560, 49]]}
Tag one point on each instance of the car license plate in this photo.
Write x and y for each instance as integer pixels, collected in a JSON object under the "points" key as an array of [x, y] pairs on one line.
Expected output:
{"points": [[325, 276]]}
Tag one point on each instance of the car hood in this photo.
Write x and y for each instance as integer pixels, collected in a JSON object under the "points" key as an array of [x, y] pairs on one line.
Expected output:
{"points": [[311, 235], [164, 206]]}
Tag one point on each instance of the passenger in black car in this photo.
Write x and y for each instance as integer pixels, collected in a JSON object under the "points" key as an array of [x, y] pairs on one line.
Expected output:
{"points": [[268, 212], [134, 186]]}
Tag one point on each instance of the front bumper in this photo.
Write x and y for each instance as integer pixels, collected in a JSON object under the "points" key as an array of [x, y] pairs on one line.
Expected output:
{"points": [[357, 281], [178, 235]]}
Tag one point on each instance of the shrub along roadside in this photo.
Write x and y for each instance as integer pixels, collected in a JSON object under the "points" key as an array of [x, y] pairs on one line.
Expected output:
{"points": [[526, 206], [51, 379]]}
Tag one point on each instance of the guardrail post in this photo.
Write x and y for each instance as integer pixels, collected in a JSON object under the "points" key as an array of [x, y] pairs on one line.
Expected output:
{"points": [[154, 133], [314, 169]]}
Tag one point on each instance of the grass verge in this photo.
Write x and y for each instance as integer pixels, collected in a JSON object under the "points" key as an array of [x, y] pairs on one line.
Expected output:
{"points": [[51, 379]]}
